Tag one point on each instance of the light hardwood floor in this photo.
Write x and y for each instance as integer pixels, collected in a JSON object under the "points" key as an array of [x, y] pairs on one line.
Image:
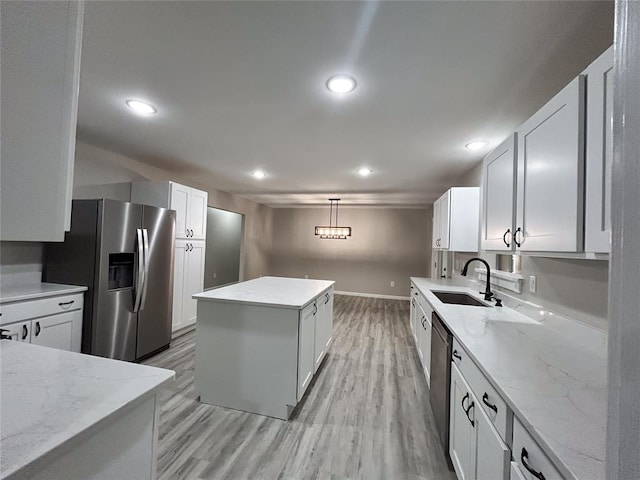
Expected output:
{"points": [[366, 416]]}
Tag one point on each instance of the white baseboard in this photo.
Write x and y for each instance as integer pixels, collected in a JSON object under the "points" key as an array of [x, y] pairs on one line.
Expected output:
{"points": [[371, 295], [181, 331]]}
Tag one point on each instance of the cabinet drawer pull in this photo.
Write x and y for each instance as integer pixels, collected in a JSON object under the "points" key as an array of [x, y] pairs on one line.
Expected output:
{"points": [[471, 406], [38, 328], [515, 237], [485, 400], [315, 308], [504, 237], [63, 304], [328, 298], [524, 458], [466, 397], [455, 354], [4, 336], [25, 332]]}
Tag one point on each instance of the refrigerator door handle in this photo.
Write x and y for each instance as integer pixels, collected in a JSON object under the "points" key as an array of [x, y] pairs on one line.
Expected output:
{"points": [[145, 236], [140, 280]]}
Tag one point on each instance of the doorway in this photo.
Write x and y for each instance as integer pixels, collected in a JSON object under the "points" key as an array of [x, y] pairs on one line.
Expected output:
{"points": [[224, 245]]}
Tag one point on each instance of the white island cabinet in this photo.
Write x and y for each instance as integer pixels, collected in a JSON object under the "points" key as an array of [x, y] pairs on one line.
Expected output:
{"points": [[69, 416], [259, 343]]}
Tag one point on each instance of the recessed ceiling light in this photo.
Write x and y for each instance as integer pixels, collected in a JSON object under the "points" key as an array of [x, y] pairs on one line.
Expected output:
{"points": [[341, 83], [365, 172], [476, 145], [141, 108], [259, 174]]}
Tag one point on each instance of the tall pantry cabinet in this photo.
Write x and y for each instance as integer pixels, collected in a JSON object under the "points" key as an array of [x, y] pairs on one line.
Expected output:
{"points": [[190, 205]]}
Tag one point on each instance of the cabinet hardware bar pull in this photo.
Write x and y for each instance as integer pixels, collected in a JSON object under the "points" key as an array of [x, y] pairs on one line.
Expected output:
{"points": [[466, 397], [504, 237], [515, 237], [25, 331], [62, 304], [3, 336], [485, 400], [471, 405], [455, 354], [524, 457], [37, 328]]}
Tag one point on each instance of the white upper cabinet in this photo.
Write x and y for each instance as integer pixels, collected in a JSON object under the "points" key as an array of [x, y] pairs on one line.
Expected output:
{"points": [[456, 217], [599, 152], [498, 196], [40, 63], [189, 203], [549, 211]]}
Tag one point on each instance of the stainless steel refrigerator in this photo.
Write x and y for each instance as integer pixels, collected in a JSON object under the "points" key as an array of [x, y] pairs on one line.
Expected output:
{"points": [[123, 253]]}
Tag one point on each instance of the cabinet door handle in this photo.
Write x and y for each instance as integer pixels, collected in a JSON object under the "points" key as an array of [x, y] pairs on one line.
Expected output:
{"points": [[504, 237], [37, 328], [3, 335], [62, 304], [328, 298], [466, 397], [471, 406], [515, 237], [25, 332], [413, 302], [485, 400], [524, 459], [455, 354]]}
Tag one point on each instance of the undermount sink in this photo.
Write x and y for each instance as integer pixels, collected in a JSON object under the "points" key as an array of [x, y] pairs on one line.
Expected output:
{"points": [[457, 298]]}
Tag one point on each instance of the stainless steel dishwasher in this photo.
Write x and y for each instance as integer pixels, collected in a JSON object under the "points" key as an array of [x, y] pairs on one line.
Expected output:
{"points": [[441, 344]]}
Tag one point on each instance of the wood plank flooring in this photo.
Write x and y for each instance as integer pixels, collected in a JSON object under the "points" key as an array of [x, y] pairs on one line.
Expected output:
{"points": [[366, 416]]}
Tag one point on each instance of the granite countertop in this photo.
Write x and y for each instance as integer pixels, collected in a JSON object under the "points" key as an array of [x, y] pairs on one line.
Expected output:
{"points": [[51, 399], [29, 291], [551, 371], [269, 291]]}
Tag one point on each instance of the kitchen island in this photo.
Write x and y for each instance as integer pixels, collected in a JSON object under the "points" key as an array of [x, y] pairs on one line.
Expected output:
{"points": [[259, 343], [71, 416]]}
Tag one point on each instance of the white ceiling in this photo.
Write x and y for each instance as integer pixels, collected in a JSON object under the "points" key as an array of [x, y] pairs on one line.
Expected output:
{"points": [[240, 85]]}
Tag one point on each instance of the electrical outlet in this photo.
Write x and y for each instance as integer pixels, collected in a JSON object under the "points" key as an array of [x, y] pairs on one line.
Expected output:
{"points": [[306, 276], [215, 275], [392, 283], [532, 283]]}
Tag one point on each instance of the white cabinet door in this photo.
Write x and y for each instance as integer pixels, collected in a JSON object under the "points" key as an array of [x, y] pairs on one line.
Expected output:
{"points": [[197, 214], [599, 154], [550, 174], [421, 318], [180, 203], [498, 196], [461, 430], [425, 344], [306, 344], [62, 331], [193, 280], [19, 332], [516, 473], [40, 56], [328, 321], [179, 265], [412, 313], [444, 212], [435, 235], [492, 455], [320, 332]]}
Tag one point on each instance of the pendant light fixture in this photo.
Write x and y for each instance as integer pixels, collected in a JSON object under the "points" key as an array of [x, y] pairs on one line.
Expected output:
{"points": [[333, 232]]}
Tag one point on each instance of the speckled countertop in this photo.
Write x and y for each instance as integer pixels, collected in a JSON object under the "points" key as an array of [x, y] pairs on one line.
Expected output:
{"points": [[30, 291], [49, 397], [551, 371], [269, 291]]}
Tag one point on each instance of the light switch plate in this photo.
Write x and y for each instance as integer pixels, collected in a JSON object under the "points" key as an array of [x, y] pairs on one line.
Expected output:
{"points": [[532, 283], [392, 283]]}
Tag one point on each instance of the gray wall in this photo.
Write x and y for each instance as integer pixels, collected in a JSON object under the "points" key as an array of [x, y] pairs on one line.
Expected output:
{"points": [[224, 244], [96, 166], [20, 262], [387, 245]]}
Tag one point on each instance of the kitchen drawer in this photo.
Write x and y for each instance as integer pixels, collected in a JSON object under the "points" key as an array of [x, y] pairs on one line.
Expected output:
{"points": [[487, 396], [28, 309], [527, 452], [426, 306]]}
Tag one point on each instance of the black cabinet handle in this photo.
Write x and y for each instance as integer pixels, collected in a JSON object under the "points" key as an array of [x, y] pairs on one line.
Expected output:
{"points": [[315, 308], [25, 331], [4, 336], [328, 298], [413, 302], [504, 237], [38, 328], [524, 459], [466, 397], [485, 400], [62, 304], [455, 354], [515, 237], [472, 405]]}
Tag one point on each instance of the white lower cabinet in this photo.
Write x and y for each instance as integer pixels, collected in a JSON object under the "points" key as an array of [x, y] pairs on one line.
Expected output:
{"points": [[420, 324], [516, 473], [476, 448], [529, 457], [54, 322], [324, 327], [188, 278], [306, 352]]}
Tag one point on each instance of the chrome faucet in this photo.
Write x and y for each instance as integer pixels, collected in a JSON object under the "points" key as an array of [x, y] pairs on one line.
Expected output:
{"points": [[488, 294]]}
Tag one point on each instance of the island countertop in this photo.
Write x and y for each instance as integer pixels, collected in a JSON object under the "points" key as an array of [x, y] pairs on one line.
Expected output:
{"points": [[551, 371], [50, 400], [280, 292]]}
